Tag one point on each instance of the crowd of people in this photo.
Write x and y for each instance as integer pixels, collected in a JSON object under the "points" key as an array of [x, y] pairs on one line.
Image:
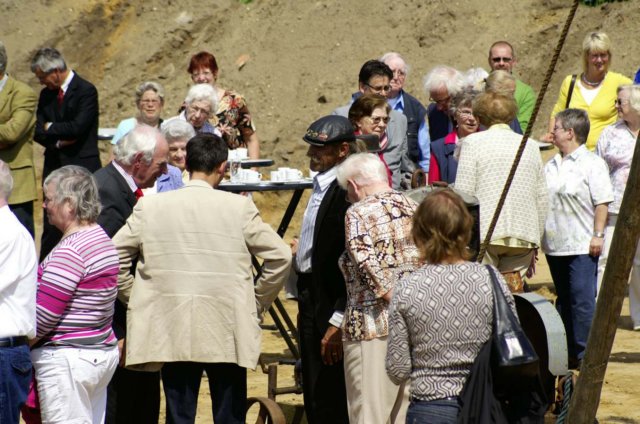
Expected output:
{"points": [[146, 269]]}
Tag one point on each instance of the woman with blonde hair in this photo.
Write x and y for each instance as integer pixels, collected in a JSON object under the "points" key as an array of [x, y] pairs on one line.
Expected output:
{"points": [[593, 90]]}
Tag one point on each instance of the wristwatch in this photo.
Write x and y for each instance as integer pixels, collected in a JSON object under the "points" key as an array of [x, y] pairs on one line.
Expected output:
{"points": [[598, 234]]}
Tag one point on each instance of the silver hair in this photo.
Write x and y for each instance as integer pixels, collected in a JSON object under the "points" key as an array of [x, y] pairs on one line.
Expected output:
{"points": [[474, 78], [141, 139], [149, 86], [363, 168], [176, 130], [497, 81], [6, 181], [76, 185], [444, 76], [3, 58], [577, 120], [394, 55], [48, 59], [634, 95], [462, 99], [202, 92]]}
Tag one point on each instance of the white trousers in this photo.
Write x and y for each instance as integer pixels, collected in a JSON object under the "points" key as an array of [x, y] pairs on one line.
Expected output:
{"points": [[371, 395], [634, 277], [72, 383]]}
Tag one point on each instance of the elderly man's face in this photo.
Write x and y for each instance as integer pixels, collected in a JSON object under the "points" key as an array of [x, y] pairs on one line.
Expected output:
{"points": [[145, 174], [398, 67], [501, 58], [377, 84], [440, 96], [52, 80], [198, 112], [326, 157]]}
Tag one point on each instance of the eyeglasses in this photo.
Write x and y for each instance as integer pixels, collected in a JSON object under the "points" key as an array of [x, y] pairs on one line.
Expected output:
{"points": [[377, 119], [618, 102], [198, 110], [501, 59], [556, 128], [441, 101], [465, 113], [378, 89], [206, 73], [596, 56]]}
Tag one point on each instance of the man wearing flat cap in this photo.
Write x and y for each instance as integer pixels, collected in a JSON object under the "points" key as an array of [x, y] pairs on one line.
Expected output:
{"points": [[321, 287]]}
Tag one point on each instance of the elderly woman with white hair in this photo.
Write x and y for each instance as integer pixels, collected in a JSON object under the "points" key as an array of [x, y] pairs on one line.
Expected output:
{"points": [[178, 133], [441, 84], [75, 352], [149, 102], [201, 102], [616, 146], [379, 251], [594, 90]]}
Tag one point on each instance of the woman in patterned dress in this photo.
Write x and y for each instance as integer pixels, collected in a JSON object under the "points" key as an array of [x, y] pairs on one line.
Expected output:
{"points": [[232, 117], [379, 250], [440, 315]]}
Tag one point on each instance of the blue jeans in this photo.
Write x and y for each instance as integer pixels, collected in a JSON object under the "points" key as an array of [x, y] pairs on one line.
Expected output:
{"points": [[15, 375], [441, 411], [575, 278]]}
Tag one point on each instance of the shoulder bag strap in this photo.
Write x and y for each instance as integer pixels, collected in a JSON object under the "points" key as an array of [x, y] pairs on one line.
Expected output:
{"points": [[573, 84]]}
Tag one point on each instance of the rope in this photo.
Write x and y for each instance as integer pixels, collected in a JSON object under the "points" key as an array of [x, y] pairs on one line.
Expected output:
{"points": [[567, 389], [527, 133]]}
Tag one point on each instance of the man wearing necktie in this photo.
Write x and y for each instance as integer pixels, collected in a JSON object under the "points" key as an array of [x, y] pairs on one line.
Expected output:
{"points": [[66, 123], [139, 158]]}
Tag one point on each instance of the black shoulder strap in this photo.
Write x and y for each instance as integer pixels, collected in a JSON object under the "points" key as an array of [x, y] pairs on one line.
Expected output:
{"points": [[573, 83]]}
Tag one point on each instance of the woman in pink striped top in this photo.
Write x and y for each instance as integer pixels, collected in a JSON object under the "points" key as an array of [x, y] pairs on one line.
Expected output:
{"points": [[75, 352]]}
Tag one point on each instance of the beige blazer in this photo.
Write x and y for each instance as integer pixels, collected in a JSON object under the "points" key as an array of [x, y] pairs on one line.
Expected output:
{"points": [[193, 298], [17, 123]]}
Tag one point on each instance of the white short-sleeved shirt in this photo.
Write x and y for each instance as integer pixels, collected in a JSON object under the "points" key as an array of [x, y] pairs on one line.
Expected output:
{"points": [[577, 183]]}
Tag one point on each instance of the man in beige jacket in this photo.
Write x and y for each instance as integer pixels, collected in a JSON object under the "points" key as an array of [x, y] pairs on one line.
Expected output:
{"points": [[192, 305]]}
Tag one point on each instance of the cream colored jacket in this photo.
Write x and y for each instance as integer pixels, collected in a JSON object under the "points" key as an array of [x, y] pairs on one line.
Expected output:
{"points": [[193, 297]]}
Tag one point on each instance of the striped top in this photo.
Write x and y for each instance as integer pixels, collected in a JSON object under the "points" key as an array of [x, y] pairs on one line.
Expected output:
{"points": [[77, 287]]}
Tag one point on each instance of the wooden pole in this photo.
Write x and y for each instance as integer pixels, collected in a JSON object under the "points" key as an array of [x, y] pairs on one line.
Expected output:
{"points": [[586, 397]]}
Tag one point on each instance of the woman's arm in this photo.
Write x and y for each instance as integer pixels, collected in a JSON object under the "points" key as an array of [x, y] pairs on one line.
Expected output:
{"points": [[398, 360]]}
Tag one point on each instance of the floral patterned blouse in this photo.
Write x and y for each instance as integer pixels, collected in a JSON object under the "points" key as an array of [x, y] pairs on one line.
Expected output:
{"points": [[233, 111], [379, 252], [616, 146]]}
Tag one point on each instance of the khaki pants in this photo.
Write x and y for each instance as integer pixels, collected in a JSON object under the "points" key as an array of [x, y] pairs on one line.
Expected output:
{"points": [[509, 259], [371, 395]]}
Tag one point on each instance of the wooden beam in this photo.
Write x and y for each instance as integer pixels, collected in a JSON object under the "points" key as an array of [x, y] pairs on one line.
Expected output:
{"points": [[586, 398]]}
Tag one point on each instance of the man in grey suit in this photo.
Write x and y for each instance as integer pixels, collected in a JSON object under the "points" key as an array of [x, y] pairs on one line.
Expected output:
{"points": [[375, 77]]}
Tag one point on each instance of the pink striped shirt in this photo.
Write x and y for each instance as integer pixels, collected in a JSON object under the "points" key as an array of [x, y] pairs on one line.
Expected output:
{"points": [[77, 287]]}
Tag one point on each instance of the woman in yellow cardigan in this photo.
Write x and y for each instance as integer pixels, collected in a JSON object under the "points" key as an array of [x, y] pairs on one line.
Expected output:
{"points": [[594, 90]]}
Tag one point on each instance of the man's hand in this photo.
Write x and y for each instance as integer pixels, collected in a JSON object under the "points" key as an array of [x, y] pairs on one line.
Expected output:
{"points": [[122, 348], [595, 247], [331, 346]]}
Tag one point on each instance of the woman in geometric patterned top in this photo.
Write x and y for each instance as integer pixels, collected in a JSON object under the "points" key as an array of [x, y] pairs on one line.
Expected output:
{"points": [[379, 251], [75, 352], [441, 314]]}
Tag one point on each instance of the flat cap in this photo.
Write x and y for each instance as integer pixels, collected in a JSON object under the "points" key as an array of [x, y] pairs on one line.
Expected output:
{"points": [[328, 130]]}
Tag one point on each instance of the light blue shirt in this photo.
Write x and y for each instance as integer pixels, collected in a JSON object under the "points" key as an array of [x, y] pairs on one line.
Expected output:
{"points": [[321, 183]]}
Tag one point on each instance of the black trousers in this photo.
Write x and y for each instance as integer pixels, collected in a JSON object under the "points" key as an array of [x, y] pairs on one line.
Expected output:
{"points": [[24, 213], [133, 397], [323, 386], [227, 384]]}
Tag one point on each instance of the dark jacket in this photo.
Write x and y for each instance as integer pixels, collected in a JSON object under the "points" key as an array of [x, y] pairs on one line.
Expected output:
{"points": [[76, 119], [415, 113], [439, 122]]}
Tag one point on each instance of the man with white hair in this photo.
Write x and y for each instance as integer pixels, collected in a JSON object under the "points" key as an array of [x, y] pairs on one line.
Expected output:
{"points": [[139, 158], [441, 83], [417, 126], [201, 102], [502, 57], [17, 122], [18, 275], [66, 124]]}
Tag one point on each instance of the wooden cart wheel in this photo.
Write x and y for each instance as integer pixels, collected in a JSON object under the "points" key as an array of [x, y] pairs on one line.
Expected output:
{"points": [[269, 413]]}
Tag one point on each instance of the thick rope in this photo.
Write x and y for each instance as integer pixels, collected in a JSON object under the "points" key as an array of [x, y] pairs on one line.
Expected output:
{"points": [[527, 133], [567, 392]]}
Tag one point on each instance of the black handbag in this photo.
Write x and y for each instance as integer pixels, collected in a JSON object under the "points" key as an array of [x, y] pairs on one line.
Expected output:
{"points": [[513, 358]]}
